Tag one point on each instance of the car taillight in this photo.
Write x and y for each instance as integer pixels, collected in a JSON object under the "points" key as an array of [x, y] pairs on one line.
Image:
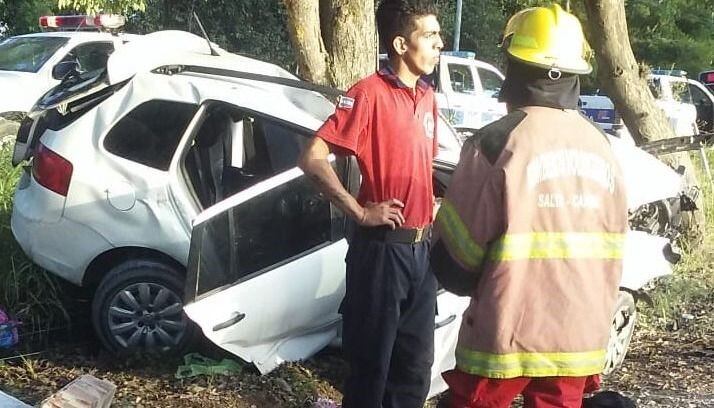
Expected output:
{"points": [[51, 170]]}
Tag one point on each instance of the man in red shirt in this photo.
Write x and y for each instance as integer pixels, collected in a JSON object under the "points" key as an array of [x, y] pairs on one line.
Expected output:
{"points": [[388, 121]]}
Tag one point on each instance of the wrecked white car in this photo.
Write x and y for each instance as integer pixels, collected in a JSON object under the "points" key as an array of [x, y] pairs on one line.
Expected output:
{"points": [[169, 183]]}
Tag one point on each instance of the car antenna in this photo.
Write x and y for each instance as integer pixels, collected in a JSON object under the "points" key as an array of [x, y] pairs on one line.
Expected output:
{"points": [[210, 46]]}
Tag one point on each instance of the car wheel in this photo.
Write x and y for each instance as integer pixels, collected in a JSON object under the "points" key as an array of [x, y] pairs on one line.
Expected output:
{"points": [[138, 306], [623, 325]]}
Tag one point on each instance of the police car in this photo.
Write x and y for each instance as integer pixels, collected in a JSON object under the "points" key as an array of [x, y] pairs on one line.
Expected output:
{"points": [[466, 89], [32, 64], [600, 109], [687, 104]]}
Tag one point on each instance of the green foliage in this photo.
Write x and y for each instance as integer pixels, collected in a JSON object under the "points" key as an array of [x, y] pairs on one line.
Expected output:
{"points": [[107, 6], [673, 33], [21, 16], [253, 27]]}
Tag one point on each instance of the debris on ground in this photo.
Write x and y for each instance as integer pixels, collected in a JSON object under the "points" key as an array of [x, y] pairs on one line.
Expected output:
{"points": [[8, 331], [85, 392], [196, 365]]}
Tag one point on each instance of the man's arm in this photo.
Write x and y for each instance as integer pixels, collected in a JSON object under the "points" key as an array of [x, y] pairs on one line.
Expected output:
{"points": [[314, 162]]}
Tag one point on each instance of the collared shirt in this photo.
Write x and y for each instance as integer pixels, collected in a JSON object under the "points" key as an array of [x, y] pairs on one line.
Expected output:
{"points": [[391, 129]]}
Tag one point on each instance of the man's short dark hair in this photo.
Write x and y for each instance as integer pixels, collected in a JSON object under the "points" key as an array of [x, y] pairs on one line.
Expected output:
{"points": [[397, 18]]}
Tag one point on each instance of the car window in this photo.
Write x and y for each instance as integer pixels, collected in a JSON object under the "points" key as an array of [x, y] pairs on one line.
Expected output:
{"points": [[490, 81], [680, 92], [91, 56], [699, 97], [232, 151], [150, 133], [28, 54], [462, 79], [655, 85]]}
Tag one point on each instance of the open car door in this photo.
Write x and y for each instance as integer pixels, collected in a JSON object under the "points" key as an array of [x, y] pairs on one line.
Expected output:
{"points": [[266, 264], [266, 272]]}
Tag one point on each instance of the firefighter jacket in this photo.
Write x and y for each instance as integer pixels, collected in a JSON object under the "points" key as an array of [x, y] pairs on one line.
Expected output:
{"points": [[532, 227]]}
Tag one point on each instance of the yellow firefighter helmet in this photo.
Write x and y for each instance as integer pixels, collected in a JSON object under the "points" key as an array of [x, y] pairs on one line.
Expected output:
{"points": [[549, 38]]}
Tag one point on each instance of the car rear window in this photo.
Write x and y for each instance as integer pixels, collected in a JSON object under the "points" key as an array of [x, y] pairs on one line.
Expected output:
{"points": [[28, 54], [150, 133]]}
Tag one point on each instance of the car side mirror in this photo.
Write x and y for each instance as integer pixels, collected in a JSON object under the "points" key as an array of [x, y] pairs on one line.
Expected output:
{"points": [[64, 69]]}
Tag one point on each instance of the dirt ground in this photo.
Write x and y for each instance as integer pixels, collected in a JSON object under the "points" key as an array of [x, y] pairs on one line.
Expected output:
{"points": [[664, 368]]}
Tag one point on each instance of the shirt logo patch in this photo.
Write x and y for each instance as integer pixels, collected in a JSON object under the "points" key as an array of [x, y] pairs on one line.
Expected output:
{"points": [[345, 102], [429, 125]]}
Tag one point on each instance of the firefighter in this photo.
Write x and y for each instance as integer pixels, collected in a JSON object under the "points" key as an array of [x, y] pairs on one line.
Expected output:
{"points": [[388, 122], [532, 228]]}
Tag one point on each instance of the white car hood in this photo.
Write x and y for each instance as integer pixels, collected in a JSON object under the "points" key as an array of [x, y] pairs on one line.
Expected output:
{"points": [[20, 91]]}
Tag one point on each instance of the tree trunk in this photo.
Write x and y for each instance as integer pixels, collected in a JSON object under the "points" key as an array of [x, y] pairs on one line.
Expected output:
{"points": [[305, 34], [334, 40], [619, 73], [624, 81]]}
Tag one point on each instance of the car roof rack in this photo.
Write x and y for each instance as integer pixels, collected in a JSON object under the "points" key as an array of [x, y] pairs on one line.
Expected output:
{"points": [[250, 76]]}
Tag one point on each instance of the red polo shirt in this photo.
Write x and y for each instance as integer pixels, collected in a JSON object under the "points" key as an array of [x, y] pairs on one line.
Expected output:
{"points": [[391, 129]]}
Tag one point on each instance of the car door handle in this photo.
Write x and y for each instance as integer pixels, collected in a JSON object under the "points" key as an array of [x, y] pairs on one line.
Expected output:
{"points": [[445, 322], [237, 317]]}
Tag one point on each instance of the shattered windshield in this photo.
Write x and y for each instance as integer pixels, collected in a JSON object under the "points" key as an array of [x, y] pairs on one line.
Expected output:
{"points": [[28, 54]]}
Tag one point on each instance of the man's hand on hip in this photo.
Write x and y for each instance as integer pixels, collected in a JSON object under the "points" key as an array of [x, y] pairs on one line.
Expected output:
{"points": [[385, 213]]}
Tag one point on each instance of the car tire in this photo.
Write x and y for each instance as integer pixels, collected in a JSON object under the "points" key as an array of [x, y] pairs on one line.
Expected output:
{"points": [[138, 307], [621, 330]]}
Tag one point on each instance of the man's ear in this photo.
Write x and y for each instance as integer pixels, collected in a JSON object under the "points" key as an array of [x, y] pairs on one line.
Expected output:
{"points": [[400, 45]]}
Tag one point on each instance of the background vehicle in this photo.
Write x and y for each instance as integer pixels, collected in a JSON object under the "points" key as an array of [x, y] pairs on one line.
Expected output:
{"points": [[28, 62], [600, 109], [687, 104], [466, 89], [671, 90]]}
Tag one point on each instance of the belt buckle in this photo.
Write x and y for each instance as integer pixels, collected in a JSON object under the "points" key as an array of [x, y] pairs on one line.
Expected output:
{"points": [[419, 235]]}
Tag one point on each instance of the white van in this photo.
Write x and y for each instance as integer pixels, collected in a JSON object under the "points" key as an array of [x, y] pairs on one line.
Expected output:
{"points": [[466, 89]]}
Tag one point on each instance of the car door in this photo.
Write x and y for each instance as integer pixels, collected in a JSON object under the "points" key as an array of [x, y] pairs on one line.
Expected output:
{"points": [[460, 86], [491, 82], [704, 103], [266, 265]]}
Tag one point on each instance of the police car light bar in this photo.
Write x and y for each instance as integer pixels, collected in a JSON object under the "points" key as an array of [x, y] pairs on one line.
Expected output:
{"points": [[109, 21]]}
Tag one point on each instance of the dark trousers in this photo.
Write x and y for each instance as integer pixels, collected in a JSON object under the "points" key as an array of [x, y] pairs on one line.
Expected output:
{"points": [[388, 323]]}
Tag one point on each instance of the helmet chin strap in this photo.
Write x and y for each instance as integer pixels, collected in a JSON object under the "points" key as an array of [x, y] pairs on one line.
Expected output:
{"points": [[554, 74]]}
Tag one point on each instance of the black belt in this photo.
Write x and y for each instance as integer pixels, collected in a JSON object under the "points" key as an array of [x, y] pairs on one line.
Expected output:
{"points": [[399, 235]]}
